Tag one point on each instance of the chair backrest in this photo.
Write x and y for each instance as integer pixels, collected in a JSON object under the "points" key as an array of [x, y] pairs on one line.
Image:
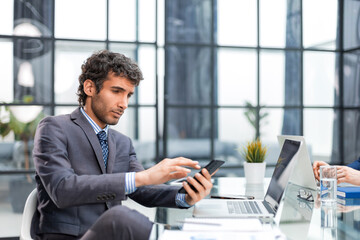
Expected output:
{"points": [[29, 210]]}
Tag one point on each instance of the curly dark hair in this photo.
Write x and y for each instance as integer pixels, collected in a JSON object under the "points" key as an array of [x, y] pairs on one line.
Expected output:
{"points": [[97, 67]]}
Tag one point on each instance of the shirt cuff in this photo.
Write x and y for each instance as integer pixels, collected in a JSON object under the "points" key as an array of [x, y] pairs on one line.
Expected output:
{"points": [[180, 200], [130, 183]]}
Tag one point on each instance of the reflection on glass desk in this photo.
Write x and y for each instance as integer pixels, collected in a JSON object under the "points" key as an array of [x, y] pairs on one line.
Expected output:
{"points": [[296, 218]]}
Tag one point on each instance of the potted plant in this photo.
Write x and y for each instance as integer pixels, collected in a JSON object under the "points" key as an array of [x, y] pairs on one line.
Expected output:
{"points": [[22, 122], [254, 161], [251, 114]]}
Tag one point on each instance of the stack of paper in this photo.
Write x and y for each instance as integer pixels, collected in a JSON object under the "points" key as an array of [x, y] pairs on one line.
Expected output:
{"points": [[202, 235], [223, 229], [348, 192], [348, 196], [222, 224]]}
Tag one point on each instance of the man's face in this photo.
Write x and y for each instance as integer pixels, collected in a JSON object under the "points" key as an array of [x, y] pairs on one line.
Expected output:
{"points": [[107, 106]]}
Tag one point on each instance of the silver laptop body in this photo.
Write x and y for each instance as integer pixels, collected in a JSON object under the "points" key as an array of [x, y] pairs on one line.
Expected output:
{"points": [[304, 175], [267, 207]]}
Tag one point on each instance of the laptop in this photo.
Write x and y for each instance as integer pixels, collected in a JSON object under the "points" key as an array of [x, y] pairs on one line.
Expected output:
{"points": [[211, 208], [304, 174]]}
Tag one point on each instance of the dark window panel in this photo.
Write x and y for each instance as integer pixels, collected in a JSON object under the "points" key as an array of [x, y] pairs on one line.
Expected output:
{"points": [[32, 71], [188, 21], [184, 123], [33, 18], [188, 75], [351, 83], [291, 122], [351, 142], [351, 24], [14, 190]]}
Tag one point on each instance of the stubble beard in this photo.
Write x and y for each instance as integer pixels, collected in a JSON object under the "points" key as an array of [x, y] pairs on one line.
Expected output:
{"points": [[102, 113]]}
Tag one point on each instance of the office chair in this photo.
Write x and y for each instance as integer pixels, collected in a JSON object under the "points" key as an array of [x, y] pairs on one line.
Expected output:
{"points": [[29, 210]]}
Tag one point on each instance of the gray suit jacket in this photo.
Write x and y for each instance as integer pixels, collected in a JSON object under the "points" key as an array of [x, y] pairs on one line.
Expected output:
{"points": [[74, 188]]}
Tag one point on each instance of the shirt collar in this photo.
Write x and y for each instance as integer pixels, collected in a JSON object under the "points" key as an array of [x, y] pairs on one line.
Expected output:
{"points": [[96, 127]]}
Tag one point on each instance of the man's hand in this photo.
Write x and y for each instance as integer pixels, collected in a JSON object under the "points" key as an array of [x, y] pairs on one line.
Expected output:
{"points": [[164, 171], [203, 188], [316, 168], [344, 209], [347, 174]]}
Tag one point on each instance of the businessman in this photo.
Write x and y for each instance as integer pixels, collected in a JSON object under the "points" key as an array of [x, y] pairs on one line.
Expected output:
{"points": [[84, 169], [349, 173]]}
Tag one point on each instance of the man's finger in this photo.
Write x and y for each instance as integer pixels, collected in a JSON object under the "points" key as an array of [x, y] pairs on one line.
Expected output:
{"points": [[185, 162], [178, 169], [206, 174], [205, 181], [197, 185], [188, 189]]}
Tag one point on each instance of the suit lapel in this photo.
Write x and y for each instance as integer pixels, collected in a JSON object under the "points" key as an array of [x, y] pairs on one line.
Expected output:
{"points": [[111, 157], [82, 122]]}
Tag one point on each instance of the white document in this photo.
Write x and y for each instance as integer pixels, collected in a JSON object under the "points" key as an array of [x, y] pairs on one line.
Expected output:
{"points": [[222, 224], [191, 235]]}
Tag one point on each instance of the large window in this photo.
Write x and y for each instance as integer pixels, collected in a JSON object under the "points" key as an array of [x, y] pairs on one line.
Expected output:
{"points": [[218, 73], [235, 59], [43, 44]]}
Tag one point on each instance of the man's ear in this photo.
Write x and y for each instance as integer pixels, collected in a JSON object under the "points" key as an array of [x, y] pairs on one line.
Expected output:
{"points": [[89, 87]]}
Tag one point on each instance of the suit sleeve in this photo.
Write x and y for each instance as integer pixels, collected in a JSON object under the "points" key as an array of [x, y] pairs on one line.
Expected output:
{"points": [[355, 164], [153, 195], [156, 196], [56, 172]]}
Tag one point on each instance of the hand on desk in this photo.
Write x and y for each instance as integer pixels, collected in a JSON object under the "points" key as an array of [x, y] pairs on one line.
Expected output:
{"points": [[316, 168], [344, 173], [348, 174]]}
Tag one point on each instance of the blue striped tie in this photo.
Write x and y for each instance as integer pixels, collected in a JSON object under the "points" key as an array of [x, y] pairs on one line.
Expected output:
{"points": [[104, 145]]}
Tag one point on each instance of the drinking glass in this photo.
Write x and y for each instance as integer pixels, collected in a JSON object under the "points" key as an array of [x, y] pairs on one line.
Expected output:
{"points": [[328, 185], [329, 222]]}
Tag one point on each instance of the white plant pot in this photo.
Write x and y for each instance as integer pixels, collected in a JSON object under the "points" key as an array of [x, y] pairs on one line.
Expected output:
{"points": [[254, 172]]}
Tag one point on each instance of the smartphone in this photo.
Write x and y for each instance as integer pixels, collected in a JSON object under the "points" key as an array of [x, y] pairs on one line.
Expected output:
{"points": [[212, 166], [233, 196]]}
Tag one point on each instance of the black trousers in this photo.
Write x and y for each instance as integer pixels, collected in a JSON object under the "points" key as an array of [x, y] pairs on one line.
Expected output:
{"points": [[119, 223]]}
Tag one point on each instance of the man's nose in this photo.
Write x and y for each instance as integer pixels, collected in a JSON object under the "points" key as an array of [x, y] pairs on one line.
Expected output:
{"points": [[123, 102]]}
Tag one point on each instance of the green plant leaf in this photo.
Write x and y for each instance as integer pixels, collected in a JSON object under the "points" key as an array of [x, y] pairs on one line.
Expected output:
{"points": [[254, 152], [4, 129]]}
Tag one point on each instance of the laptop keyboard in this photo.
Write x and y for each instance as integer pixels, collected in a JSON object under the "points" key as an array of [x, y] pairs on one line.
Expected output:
{"points": [[247, 207]]}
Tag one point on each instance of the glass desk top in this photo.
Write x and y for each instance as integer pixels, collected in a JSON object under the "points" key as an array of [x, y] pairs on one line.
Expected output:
{"points": [[296, 218]]}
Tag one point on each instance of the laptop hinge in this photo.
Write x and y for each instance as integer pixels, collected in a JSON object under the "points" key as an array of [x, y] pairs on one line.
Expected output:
{"points": [[268, 207]]}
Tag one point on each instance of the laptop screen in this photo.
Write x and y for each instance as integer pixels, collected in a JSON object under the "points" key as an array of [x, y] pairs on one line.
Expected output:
{"points": [[304, 174], [282, 172]]}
